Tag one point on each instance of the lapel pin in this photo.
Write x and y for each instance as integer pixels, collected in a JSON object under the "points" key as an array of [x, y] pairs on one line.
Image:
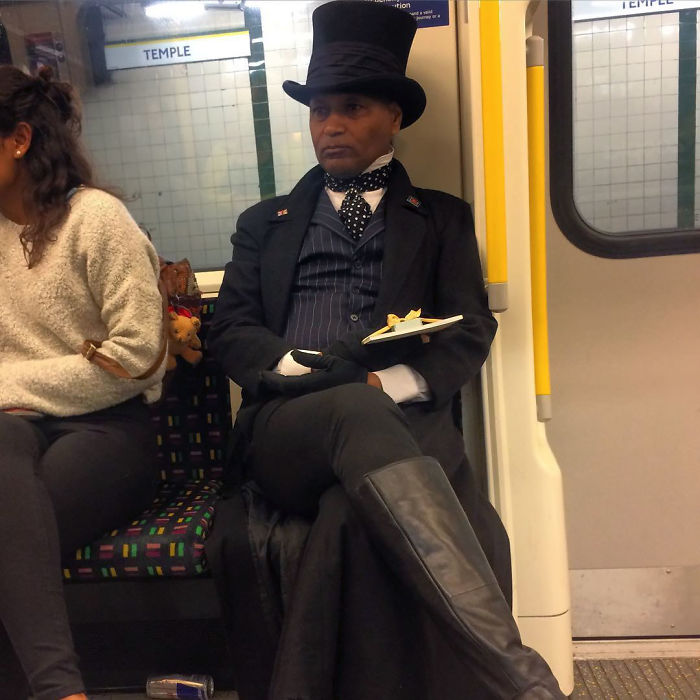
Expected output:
{"points": [[282, 212], [413, 200]]}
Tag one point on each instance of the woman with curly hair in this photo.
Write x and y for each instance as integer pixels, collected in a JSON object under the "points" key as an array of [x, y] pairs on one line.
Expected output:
{"points": [[75, 442]]}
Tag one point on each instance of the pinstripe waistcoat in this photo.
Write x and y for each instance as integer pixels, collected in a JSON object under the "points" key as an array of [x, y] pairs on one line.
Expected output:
{"points": [[336, 279]]}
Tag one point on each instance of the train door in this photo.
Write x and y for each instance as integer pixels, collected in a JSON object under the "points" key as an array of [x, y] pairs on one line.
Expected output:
{"points": [[623, 293]]}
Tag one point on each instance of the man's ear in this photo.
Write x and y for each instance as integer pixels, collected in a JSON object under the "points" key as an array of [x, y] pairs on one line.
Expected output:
{"points": [[397, 114]]}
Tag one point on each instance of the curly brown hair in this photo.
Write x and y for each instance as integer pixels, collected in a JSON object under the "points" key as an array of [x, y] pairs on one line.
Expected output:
{"points": [[54, 162]]}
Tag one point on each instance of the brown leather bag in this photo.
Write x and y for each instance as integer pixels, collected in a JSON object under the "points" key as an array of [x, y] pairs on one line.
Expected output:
{"points": [[178, 287], [181, 286]]}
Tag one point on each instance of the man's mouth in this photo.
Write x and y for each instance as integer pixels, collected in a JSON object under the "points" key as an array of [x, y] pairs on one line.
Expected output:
{"points": [[336, 151]]}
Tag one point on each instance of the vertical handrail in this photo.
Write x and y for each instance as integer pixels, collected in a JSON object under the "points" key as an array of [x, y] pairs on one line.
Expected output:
{"points": [[494, 160], [538, 251]]}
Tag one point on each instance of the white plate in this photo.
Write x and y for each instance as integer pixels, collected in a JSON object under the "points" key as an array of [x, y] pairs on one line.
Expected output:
{"points": [[425, 328]]}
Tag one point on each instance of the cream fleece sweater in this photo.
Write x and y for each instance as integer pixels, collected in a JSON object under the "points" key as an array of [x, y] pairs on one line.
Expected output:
{"points": [[97, 280]]}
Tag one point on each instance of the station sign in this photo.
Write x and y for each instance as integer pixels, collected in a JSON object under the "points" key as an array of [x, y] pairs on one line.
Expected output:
{"points": [[186, 49], [585, 10]]}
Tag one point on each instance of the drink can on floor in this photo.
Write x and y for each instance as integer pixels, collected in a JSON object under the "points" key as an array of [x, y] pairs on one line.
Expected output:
{"points": [[191, 687]]}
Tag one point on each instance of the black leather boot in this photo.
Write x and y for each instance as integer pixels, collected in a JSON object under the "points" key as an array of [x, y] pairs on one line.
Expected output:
{"points": [[414, 516]]}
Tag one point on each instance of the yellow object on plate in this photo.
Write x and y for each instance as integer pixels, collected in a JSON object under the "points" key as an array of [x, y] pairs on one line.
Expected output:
{"points": [[410, 324]]}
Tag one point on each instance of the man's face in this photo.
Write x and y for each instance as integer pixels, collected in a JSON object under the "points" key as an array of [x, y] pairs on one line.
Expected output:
{"points": [[350, 132]]}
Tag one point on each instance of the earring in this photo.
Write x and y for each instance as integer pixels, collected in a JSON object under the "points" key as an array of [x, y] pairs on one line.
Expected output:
{"points": [[18, 154]]}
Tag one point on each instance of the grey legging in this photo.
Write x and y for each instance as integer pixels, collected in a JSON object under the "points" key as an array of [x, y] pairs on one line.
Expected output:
{"points": [[63, 483]]}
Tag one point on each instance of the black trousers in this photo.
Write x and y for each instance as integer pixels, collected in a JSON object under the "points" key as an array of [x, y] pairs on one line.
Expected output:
{"points": [[63, 483], [300, 447]]}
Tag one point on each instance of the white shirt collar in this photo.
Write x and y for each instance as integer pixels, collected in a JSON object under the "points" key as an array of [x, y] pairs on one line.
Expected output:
{"points": [[381, 161]]}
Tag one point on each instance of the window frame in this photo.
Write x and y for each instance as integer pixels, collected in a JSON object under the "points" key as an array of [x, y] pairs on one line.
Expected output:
{"points": [[632, 244]]}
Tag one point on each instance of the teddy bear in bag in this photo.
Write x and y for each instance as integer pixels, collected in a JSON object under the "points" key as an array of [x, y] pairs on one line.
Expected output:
{"points": [[179, 284], [182, 337]]}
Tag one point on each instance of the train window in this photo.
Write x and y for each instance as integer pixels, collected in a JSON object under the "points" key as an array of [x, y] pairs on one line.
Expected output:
{"points": [[182, 103], [624, 162]]}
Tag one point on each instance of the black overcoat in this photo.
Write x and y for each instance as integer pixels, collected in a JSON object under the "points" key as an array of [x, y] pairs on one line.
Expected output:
{"points": [[430, 262]]}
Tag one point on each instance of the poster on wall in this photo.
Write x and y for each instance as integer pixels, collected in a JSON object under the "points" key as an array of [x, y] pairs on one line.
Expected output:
{"points": [[428, 13], [45, 49]]}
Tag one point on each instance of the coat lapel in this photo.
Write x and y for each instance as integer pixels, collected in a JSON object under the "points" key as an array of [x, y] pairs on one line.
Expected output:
{"points": [[285, 232], [406, 227]]}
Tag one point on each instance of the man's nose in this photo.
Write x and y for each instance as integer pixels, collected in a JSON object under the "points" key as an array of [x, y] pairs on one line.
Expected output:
{"points": [[335, 124]]}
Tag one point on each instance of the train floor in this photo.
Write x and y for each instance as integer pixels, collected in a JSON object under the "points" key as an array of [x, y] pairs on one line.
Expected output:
{"points": [[665, 678], [628, 679]]}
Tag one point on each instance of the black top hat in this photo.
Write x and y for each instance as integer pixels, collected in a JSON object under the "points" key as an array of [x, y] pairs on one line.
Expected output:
{"points": [[362, 47]]}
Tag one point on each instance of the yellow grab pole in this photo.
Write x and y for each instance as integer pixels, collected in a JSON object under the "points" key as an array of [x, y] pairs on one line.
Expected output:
{"points": [[538, 251], [494, 163]]}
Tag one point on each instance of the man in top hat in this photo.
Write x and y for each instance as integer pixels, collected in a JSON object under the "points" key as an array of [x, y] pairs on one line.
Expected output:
{"points": [[319, 269]]}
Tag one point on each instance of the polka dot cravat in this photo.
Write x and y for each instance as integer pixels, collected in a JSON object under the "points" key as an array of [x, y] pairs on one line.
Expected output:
{"points": [[354, 212]]}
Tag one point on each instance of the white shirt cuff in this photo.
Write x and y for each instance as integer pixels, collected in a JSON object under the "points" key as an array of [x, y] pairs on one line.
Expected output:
{"points": [[403, 384]]}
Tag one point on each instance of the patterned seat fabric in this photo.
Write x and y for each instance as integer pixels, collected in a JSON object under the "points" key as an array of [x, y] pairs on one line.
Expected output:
{"points": [[192, 423], [167, 540]]}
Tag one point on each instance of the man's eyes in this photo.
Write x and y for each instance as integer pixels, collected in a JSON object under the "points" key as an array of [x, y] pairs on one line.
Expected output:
{"points": [[351, 108]]}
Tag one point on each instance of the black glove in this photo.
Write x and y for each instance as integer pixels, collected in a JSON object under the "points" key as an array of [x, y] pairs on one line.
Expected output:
{"points": [[327, 371], [377, 355]]}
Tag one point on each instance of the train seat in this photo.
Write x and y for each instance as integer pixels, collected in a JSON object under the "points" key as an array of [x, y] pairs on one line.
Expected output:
{"points": [[165, 540], [168, 539]]}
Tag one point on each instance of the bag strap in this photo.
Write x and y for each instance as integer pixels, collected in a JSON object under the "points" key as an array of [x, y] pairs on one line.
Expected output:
{"points": [[90, 348]]}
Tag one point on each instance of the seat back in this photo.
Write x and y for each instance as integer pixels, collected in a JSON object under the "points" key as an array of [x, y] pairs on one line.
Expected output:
{"points": [[193, 419]]}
